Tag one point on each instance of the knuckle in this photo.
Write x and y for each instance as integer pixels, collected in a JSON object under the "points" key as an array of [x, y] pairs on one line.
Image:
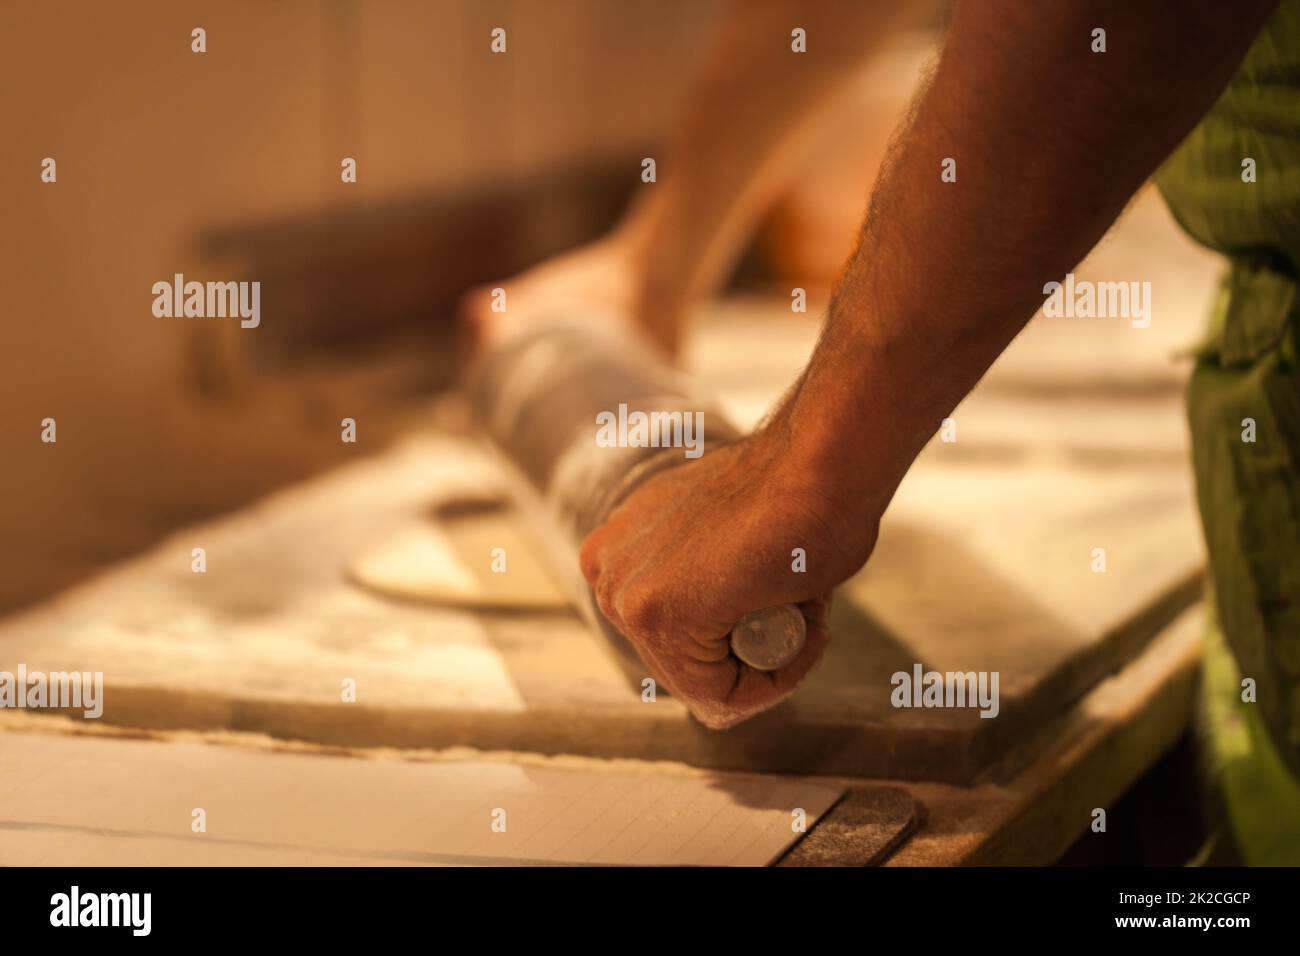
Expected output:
{"points": [[641, 611], [606, 596]]}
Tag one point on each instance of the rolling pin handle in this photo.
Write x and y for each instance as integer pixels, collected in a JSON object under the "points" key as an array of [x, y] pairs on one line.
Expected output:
{"points": [[769, 639]]}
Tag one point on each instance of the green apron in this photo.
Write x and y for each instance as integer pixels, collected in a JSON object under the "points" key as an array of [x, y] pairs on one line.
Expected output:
{"points": [[1247, 377]]}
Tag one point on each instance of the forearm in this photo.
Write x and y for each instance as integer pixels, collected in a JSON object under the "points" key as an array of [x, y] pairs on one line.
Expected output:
{"points": [[1050, 141], [753, 120]]}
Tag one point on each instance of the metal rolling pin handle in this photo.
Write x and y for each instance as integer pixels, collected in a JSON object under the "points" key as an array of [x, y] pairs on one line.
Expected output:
{"points": [[769, 639]]}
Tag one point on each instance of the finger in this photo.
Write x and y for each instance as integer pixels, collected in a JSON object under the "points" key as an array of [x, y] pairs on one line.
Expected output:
{"points": [[709, 649], [591, 552]]}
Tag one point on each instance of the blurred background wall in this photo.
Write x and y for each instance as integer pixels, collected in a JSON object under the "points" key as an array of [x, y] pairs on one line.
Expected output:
{"points": [[158, 147]]}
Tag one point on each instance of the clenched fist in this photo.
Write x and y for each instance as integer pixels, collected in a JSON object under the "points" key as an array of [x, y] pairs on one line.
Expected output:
{"points": [[700, 545]]}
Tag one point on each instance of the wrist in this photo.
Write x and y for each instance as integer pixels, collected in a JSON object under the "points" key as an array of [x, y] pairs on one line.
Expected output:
{"points": [[847, 434], [818, 459]]}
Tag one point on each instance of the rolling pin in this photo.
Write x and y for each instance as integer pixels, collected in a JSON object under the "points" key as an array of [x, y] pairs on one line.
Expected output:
{"points": [[537, 397]]}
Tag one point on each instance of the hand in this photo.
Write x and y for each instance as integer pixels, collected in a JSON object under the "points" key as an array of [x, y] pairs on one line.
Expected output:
{"points": [[596, 281], [702, 544]]}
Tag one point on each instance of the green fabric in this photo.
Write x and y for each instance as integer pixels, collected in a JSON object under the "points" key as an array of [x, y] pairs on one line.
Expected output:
{"points": [[1257, 117], [1249, 491], [1249, 498], [1257, 797]]}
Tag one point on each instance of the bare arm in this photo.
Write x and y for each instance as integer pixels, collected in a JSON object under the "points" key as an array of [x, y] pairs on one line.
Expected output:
{"points": [[751, 125], [751, 122], [1050, 140]]}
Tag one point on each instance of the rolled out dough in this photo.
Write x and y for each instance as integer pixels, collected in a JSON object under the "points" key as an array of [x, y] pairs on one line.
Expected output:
{"points": [[447, 557]]}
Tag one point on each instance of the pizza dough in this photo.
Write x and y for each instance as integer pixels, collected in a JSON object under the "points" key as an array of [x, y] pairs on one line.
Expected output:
{"points": [[448, 559]]}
